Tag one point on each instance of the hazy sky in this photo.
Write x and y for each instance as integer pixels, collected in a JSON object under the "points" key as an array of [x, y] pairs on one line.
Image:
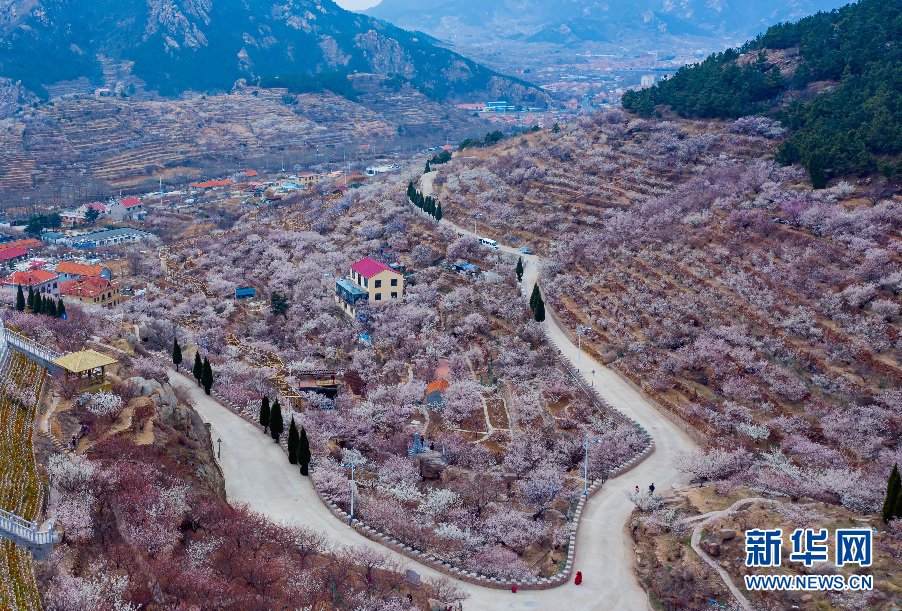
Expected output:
{"points": [[356, 5]]}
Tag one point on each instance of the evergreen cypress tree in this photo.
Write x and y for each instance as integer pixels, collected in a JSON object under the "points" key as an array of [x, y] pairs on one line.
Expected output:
{"points": [[427, 168], [61, 308], [30, 299], [38, 305], [892, 492], [51, 307], [198, 369], [897, 511], [438, 212], [276, 425], [520, 269], [539, 311], [816, 172], [176, 353], [293, 441], [20, 299], [304, 455], [535, 297], [264, 413], [206, 376]]}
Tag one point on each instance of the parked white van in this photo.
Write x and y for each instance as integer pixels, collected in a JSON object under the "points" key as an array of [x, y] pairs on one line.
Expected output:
{"points": [[488, 242]]}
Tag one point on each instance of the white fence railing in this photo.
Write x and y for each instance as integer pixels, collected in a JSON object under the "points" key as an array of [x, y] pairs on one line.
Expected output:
{"points": [[16, 527], [26, 344]]}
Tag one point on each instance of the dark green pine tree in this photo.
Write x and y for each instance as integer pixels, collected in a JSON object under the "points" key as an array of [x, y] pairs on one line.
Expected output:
{"points": [[539, 311], [206, 376], [276, 424], [30, 302], [534, 298], [61, 308], [427, 168], [816, 172], [438, 212], [176, 353], [198, 369], [20, 299], [520, 269], [893, 486], [51, 307], [411, 191], [304, 455], [264, 413], [293, 441], [38, 306]]}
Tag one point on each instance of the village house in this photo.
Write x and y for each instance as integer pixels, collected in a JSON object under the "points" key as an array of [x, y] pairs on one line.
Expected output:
{"points": [[8, 256], [128, 208], [370, 281], [94, 290], [41, 281], [71, 218], [110, 237], [435, 393], [68, 270], [84, 208]]}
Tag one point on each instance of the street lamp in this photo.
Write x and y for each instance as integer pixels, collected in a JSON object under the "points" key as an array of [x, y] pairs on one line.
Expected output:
{"points": [[586, 465], [593, 378], [219, 450], [475, 216], [351, 464], [579, 334]]}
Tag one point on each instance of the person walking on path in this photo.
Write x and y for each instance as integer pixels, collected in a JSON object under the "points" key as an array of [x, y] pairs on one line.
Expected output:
{"points": [[579, 578], [651, 489], [637, 489]]}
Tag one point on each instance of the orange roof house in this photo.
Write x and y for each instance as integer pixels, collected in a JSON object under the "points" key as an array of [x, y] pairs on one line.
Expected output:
{"points": [[69, 270], [435, 392], [40, 280]]}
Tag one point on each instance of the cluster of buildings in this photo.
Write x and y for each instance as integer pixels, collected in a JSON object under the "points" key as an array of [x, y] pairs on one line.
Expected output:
{"points": [[73, 281], [100, 238], [115, 210]]}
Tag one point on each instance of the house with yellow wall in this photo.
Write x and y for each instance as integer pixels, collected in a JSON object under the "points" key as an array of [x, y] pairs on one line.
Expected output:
{"points": [[370, 281]]}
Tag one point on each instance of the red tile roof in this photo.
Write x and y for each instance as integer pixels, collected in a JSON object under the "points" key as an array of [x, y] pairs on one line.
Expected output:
{"points": [[440, 385], [87, 287], [130, 202], [368, 267], [251, 173], [35, 276], [12, 253], [95, 206], [78, 269]]}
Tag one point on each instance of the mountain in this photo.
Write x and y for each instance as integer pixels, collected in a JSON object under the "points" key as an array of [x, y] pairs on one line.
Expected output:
{"points": [[173, 46], [834, 79], [573, 22]]}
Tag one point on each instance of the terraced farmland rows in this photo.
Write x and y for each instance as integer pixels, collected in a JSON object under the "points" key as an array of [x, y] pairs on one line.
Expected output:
{"points": [[20, 489]]}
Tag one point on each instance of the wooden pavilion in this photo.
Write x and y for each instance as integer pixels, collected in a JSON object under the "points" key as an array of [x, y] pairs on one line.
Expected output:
{"points": [[89, 366]]}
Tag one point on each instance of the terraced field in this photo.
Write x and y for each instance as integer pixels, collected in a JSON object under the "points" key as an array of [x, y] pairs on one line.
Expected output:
{"points": [[20, 489]]}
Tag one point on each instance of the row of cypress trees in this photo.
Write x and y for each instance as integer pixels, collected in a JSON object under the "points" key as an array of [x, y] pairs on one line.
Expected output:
{"points": [[202, 371], [426, 204], [36, 304], [298, 444]]}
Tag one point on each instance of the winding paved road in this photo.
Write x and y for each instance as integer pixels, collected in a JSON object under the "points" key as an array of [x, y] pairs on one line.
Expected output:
{"points": [[258, 474]]}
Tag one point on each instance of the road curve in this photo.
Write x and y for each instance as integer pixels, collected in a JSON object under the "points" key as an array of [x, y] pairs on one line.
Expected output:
{"points": [[257, 473]]}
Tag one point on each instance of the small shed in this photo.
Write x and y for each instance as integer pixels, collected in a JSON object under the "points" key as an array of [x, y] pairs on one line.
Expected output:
{"points": [[89, 366], [246, 293], [435, 392]]}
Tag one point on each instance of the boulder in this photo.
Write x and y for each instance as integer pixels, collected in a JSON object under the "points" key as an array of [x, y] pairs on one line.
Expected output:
{"points": [[412, 578], [431, 465], [727, 534]]}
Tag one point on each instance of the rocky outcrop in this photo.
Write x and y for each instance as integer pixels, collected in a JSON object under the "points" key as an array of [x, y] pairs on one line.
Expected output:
{"points": [[180, 431]]}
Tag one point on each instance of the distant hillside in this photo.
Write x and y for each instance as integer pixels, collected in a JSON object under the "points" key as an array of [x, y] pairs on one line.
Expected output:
{"points": [[834, 79], [578, 21], [207, 45]]}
